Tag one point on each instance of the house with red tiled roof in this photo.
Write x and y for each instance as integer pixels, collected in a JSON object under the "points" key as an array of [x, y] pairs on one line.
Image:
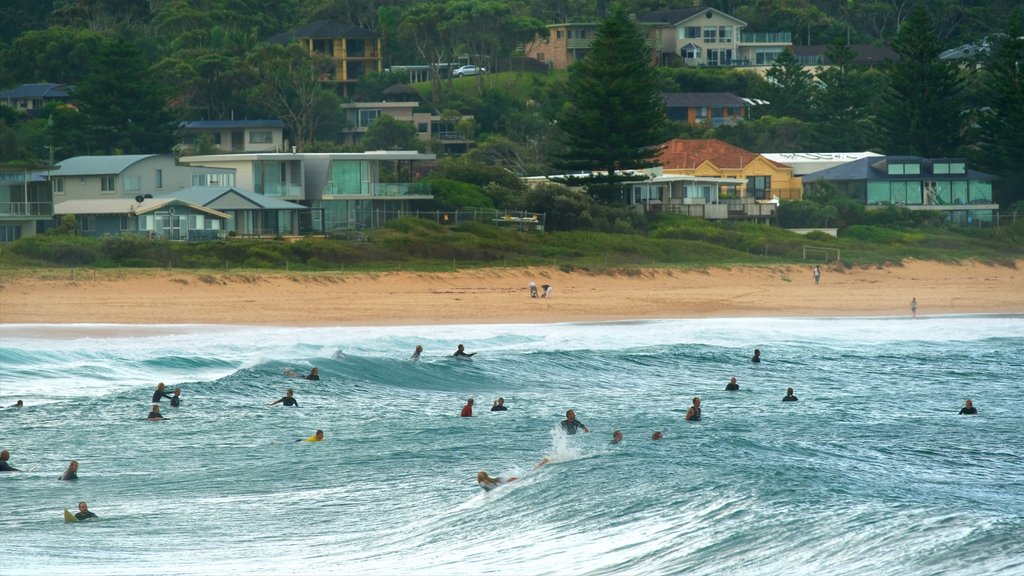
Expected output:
{"points": [[757, 177]]}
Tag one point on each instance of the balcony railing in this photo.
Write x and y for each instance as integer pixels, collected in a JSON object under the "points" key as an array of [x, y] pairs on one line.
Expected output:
{"points": [[278, 190], [766, 38], [26, 208], [390, 190]]}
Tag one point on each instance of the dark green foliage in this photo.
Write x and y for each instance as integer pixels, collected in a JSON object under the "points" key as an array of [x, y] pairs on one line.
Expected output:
{"points": [[921, 113], [58, 249], [133, 249], [803, 214], [791, 87], [454, 195], [388, 133], [58, 54], [123, 104], [370, 88], [843, 103], [615, 116]]}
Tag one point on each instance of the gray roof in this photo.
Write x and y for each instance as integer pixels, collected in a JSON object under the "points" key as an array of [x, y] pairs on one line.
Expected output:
{"points": [[207, 124], [204, 196], [873, 168], [671, 16], [98, 165], [127, 206], [42, 90], [323, 29], [691, 99]]}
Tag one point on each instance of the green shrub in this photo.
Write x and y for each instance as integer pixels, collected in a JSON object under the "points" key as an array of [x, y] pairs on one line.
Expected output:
{"points": [[59, 249]]}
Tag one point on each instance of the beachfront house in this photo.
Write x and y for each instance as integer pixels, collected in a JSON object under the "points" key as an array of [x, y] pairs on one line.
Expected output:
{"points": [[251, 214], [346, 191], [129, 175], [168, 218], [26, 203], [429, 127], [943, 185], [706, 108]]}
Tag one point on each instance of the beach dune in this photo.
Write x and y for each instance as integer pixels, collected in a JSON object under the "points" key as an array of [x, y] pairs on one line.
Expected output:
{"points": [[501, 295]]}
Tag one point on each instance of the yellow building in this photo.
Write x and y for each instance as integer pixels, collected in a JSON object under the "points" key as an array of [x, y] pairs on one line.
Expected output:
{"points": [[757, 177], [355, 52]]}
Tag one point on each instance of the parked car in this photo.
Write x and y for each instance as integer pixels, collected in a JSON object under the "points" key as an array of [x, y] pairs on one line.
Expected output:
{"points": [[468, 70]]}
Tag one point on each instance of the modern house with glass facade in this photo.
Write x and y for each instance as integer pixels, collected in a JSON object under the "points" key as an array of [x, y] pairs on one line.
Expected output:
{"points": [[26, 203], [347, 191], [939, 184]]}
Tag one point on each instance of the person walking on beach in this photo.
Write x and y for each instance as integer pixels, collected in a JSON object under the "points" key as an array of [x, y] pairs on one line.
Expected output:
{"points": [[533, 289], [71, 473], [288, 400], [968, 409], [913, 307], [159, 393], [416, 353], [817, 275], [693, 414], [4, 466], [467, 410], [789, 397], [570, 425], [732, 385], [461, 353]]}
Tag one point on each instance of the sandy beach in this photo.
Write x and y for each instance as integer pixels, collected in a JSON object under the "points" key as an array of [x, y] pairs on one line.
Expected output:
{"points": [[500, 295]]}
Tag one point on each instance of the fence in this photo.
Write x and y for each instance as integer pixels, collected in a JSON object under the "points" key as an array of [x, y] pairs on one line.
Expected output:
{"points": [[372, 219]]}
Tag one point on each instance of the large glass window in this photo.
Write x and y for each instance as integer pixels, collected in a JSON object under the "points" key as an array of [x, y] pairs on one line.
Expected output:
{"points": [[957, 168], [691, 32], [710, 34], [132, 183], [940, 168], [261, 137], [959, 192], [366, 117], [725, 34], [914, 193], [108, 183], [898, 192], [765, 56], [981, 192], [348, 177], [758, 186], [942, 193], [878, 193]]}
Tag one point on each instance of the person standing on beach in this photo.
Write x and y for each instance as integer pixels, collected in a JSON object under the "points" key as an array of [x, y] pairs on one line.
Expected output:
{"points": [[4, 466], [71, 473], [467, 410], [817, 275], [693, 414], [968, 409], [288, 400], [913, 307], [570, 425], [416, 354], [159, 393]]}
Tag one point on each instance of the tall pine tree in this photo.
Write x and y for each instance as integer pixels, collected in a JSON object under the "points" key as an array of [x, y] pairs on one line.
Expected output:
{"points": [[614, 119], [1002, 119], [921, 112]]}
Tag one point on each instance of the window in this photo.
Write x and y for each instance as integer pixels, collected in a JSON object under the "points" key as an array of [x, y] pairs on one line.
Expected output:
{"points": [[713, 57], [691, 52], [691, 32], [261, 137], [765, 56], [981, 192], [58, 185], [558, 34], [204, 180], [957, 168], [725, 34], [540, 56], [132, 183], [758, 186], [959, 192], [366, 117], [108, 183], [128, 223], [423, 127], [9, 233], [900, 169], [159, 179], [710, 33], [87, 223]]}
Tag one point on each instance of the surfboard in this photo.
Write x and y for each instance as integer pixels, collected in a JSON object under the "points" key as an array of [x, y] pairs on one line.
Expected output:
{"points": [[69, 517]]}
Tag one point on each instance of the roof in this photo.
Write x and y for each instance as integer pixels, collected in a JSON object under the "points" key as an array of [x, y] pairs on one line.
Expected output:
{"points": [[867, 54], [204, 196], [210, 124], [323, 29], [691, 99], [807, 163], [128, 206], [42, 90], [873, 168], [671, 16], [681, 154], [355, 156], [98, 165]]}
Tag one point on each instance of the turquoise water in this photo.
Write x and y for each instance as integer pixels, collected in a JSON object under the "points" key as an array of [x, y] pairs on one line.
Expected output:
{"points": [[871, 472]]}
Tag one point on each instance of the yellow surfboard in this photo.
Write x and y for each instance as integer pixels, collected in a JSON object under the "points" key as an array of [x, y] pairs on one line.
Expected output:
{"points": [[69, 517]]}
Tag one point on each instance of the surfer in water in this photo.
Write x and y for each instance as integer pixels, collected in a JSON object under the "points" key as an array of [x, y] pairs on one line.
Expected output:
{"points": [[467, 410], [757, 356], [657, 435], [288, 400], [570, 425], [616, 437], [71, 473], [489, 483], [318, 437], [693, 414], [789, 397], [968, 408], [160, 393], [155, 414], [176, 399], [461, 353], [732, 385], [499, 405], [416, 354], [83, 512], [4, 466]]}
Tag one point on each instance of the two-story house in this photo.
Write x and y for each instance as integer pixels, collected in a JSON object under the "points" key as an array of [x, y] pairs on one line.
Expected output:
{"points": [[755, 177], [354, 52], [26, 203], [709, 108], [703, 36], [429, 127], [30, 98], [346, 191], [936, 184], [232, 135]]}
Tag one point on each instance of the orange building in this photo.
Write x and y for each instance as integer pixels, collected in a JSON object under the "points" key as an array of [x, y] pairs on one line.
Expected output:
{"points": [[756, 176]]}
